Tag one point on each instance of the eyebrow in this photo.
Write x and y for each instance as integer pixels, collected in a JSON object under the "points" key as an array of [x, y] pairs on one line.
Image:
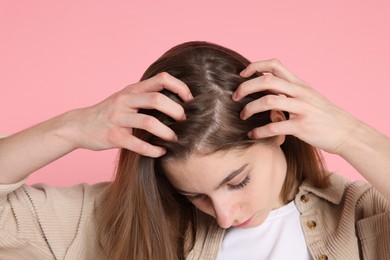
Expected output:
{"points": [[228, 178]]}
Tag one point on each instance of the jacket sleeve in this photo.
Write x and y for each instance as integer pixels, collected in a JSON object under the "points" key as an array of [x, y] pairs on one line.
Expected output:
{"points": [[373, 225], [39, 219]]}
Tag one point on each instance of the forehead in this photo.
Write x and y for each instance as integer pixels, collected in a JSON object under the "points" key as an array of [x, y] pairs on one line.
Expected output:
{"points": [[197, 172], [196, 162]]}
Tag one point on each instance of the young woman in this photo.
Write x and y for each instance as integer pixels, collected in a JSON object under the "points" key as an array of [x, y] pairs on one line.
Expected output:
{"points": [[218, 161]]}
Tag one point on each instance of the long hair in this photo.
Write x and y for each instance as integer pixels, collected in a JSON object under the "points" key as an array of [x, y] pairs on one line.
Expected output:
{"points": [[142, 217]]}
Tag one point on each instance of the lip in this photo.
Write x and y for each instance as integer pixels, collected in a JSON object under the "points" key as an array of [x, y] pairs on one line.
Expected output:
{"points": [[243, 224]]}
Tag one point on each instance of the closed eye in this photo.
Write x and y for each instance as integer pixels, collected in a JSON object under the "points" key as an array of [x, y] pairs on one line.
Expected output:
{"points": [[241, 184], [195, 197], [231, 187]]}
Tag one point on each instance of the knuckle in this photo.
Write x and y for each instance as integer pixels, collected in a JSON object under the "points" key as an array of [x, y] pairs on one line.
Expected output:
{"points": [[275, 62], [267, 78], [134, 88], [144, 149], [156, 98], [141, 148], [130, 87], [115, 99], [111, 136], [148, 122], [163, 76], [119, 98], [269, 101], [256, 133], [272, 129], [252, 66], [112, 117]]}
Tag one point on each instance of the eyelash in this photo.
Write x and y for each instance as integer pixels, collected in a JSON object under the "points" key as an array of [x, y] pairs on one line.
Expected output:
{"points": [[241, 184], [232, 187]]}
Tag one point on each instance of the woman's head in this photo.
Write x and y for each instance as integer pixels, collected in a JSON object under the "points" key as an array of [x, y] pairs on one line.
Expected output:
{"points": [[213, 123], [211, 134]]}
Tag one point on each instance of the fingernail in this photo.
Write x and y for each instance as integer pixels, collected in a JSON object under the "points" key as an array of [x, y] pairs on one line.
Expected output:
{"points": [[250, 134], [158, 153], [242, 72], [190, 96], [242, 116], [234, 96], [175, 138], [163, 151]]}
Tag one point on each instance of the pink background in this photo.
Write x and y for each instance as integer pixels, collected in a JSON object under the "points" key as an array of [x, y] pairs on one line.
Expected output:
{"points": [[59, 55]]}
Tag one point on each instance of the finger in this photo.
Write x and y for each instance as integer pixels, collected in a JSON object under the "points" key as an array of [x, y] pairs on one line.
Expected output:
{"points": [[150, 124], [263, 83], [273, 66], [273, 129], [141, 147], [271, 102], [162, 81], [156, 100]]}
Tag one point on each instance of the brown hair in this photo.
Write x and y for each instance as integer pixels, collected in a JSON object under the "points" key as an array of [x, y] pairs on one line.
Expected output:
{"points": [[142, 216]]}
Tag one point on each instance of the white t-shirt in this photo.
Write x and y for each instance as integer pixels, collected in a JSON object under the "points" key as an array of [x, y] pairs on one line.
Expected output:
{"points": [[279, 237]]}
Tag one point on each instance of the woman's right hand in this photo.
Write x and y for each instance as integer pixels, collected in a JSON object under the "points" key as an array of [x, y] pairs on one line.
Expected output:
{"points": [[110, 123]]}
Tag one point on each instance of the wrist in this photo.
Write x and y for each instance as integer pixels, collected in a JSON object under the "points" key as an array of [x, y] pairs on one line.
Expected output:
{"points": [[66, 129], [362, 140]]}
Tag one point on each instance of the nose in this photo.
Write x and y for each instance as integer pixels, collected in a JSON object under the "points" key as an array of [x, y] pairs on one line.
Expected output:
{"points": [[223, 213]]}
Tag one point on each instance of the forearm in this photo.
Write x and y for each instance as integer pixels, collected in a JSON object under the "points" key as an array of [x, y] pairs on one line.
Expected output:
{"points": [[27, 151], [368, 151]]}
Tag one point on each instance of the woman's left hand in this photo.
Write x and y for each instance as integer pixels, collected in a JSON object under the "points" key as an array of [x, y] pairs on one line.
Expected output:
{"points": [[313, 118]]}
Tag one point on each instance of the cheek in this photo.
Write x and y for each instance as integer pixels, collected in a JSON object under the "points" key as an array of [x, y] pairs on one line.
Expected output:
{"points": [[255, 196], [258, 191], [204, 206]]}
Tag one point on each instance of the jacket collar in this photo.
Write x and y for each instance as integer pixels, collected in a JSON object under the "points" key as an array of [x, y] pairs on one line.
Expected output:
{"points": [[333, 193]]}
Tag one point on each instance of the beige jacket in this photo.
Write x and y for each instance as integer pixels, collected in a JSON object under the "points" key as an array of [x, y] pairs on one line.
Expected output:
{"points": [[346, 221]]}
